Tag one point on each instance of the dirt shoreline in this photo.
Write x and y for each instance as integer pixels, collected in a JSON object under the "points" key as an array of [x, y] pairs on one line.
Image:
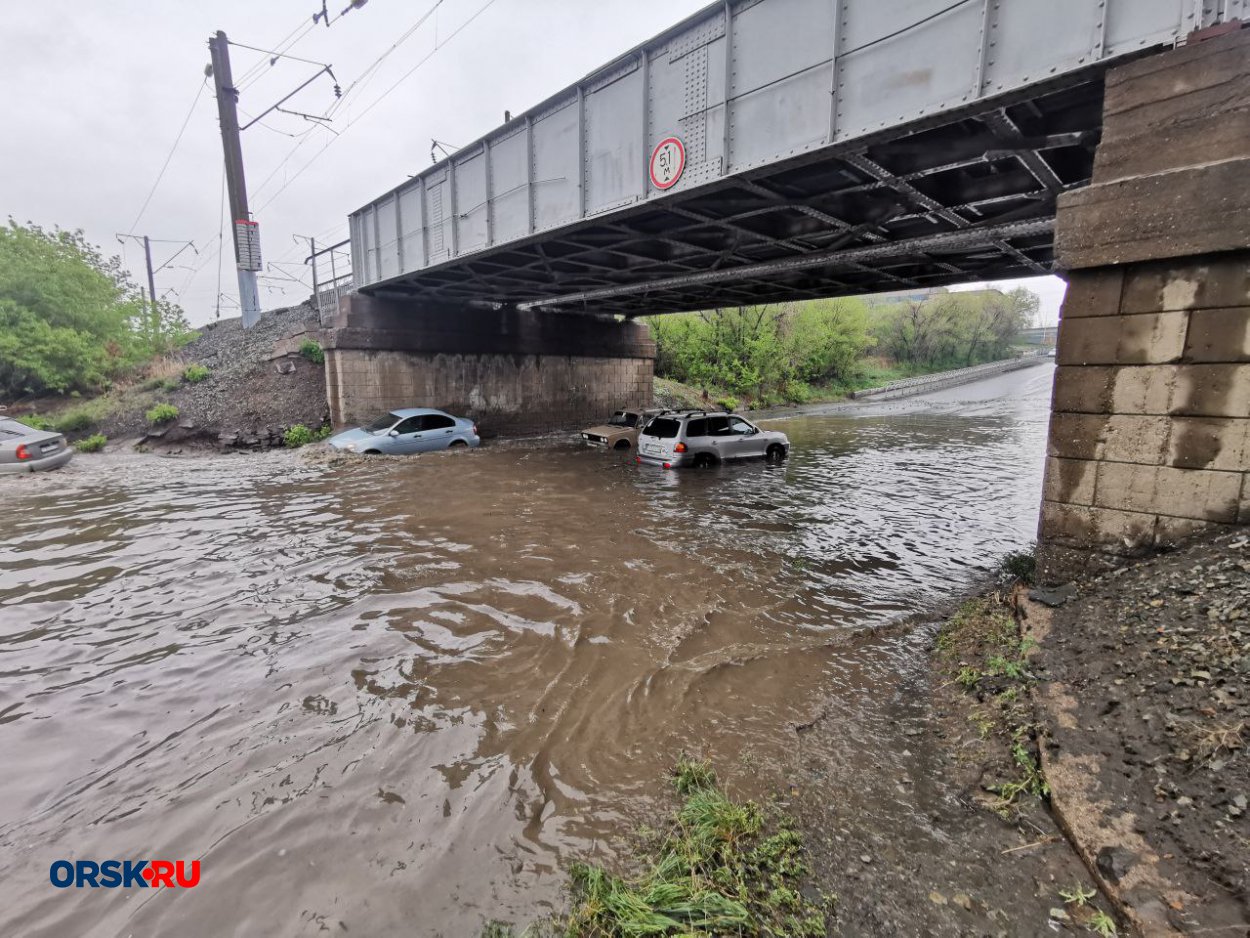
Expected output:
{"points": [[1113, 712], [1143, 709]]}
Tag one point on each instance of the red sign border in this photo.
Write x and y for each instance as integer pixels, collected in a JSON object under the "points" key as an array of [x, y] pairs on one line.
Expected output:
{"points": [[651, 163]]}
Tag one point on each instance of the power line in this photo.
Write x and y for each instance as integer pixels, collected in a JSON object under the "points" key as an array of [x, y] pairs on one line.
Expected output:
{"points": [[377, 101], [257, 71], [170, 156], [359, 82]]}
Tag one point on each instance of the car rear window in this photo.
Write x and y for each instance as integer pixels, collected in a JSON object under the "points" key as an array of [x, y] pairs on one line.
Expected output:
{"points": [[663, 427], [438, 422], [696, 428]]}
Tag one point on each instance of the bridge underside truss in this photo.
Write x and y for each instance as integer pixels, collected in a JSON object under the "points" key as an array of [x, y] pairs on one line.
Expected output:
{"points": [[965, 200]]}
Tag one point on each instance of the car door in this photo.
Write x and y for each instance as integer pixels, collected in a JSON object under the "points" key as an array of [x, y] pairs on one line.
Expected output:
{"points": [[437, 432], [406, 436], [718, 439], [745, 438]]}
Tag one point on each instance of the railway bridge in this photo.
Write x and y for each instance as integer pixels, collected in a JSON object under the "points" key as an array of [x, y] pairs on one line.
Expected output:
{"points": [[771, 150]]}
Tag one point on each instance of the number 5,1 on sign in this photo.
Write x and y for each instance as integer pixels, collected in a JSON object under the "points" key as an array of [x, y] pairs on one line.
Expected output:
{"points": [[668, 159]]}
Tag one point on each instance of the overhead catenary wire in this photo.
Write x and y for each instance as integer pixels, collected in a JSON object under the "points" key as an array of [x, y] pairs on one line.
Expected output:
{"points": [[358, 84], [281, 49], [376, 101], [173, 149]]}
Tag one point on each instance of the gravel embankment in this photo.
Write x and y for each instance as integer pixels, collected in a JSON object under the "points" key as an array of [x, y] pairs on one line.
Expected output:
{"points": [[1144, 705], [248, 399]]}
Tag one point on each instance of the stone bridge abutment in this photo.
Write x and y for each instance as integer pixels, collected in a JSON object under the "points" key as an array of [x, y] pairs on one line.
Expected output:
{"points": [[1150, 426], [513, 371]]}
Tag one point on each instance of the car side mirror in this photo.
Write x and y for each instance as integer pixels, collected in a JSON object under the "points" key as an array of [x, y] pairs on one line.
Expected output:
{"points": [[754, 430], [393, 433]]}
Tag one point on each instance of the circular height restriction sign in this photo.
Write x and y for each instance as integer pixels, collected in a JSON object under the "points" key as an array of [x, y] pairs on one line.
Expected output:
{"points": [[668, 159]]}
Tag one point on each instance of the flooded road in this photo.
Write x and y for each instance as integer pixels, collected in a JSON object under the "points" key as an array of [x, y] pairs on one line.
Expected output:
{"points": [[398, 696]]}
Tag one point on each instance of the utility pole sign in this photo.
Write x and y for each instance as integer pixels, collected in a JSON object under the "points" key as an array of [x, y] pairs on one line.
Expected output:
{"points": [[246, 232]]}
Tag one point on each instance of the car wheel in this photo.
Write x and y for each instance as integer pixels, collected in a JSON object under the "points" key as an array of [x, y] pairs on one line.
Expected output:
{"points": [[621, 444], [776, 452], [704, 461], [373, 452], [457, 444]]}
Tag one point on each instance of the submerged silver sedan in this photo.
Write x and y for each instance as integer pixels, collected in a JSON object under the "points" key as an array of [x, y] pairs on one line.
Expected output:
{"points": [[25, 449], [412, 430]]}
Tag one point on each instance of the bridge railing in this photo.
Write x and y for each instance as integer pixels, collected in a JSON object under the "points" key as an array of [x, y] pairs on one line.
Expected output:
{"points": [[337, 262]]}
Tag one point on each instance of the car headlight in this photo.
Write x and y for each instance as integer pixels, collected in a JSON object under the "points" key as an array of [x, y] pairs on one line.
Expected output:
{"points": [[350, 447]]}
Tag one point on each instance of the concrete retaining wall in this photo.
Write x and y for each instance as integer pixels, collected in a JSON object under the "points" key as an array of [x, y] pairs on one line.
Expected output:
{"points": [[946, 379]]}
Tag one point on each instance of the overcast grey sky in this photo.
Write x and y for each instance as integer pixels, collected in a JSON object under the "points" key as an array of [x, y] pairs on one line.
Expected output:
{"points": [[96, 94]]}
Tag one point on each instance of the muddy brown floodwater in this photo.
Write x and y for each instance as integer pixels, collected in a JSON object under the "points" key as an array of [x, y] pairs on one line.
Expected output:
{"points": [[399, 696]]}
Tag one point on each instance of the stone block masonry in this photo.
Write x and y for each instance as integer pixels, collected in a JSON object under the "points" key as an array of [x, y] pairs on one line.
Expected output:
{"points": [[1150, 427], [512, 371]]}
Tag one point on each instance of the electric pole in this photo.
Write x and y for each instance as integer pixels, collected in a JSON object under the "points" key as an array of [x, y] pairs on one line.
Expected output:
{"points": [[154, 314], [246, 233]]}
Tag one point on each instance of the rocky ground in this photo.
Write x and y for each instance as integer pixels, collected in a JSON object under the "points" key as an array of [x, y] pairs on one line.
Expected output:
{"points": [[1145, 716], [257, 386]]}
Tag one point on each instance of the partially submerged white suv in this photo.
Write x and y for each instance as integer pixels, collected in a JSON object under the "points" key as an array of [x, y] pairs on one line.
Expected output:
{"points": [[699, 438]]}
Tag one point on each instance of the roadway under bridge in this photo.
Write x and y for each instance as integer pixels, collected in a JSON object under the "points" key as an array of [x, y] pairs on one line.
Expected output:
{"points": [[814, 148], [772, 150]]}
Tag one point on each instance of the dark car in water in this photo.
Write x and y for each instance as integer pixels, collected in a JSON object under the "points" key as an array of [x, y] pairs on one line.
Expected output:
{"points": [[25, 449]]}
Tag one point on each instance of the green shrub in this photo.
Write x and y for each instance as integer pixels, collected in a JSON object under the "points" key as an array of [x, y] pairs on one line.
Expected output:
{"points": [[728, 403], [74, 420], [324, 432], [71, 320], [91, 444], [312, 351], [152, 384], [194, 374], [161, 413], [297, 436], [171, 384], [35, 422], [1020, 564]]}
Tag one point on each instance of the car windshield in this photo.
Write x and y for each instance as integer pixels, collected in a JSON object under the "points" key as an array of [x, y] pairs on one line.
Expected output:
{"points": [[385, 422], [663, 427], [622, 419]]}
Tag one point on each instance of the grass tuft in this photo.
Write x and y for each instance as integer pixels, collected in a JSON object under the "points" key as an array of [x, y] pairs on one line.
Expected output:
{"points": [[1020, 564], [194, 374], [91, 444], [722, 869], [161, 413], [312, 351]]}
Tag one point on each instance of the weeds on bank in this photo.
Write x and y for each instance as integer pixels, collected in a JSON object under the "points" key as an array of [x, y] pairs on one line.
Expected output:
{"points": [[1102, 924], [299, 435], [981, 650], [721, 867], [312, 351], [161, 413], [194, 374], [91, 444], [1020, 564]]}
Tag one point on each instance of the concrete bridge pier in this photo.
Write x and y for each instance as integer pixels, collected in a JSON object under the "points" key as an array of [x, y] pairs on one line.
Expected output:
{"points": [[512, 371], [1150, 425]]}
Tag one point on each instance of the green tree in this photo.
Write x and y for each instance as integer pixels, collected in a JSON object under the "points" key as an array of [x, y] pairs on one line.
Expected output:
{"points": [[764, 352], [71, 319]]}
